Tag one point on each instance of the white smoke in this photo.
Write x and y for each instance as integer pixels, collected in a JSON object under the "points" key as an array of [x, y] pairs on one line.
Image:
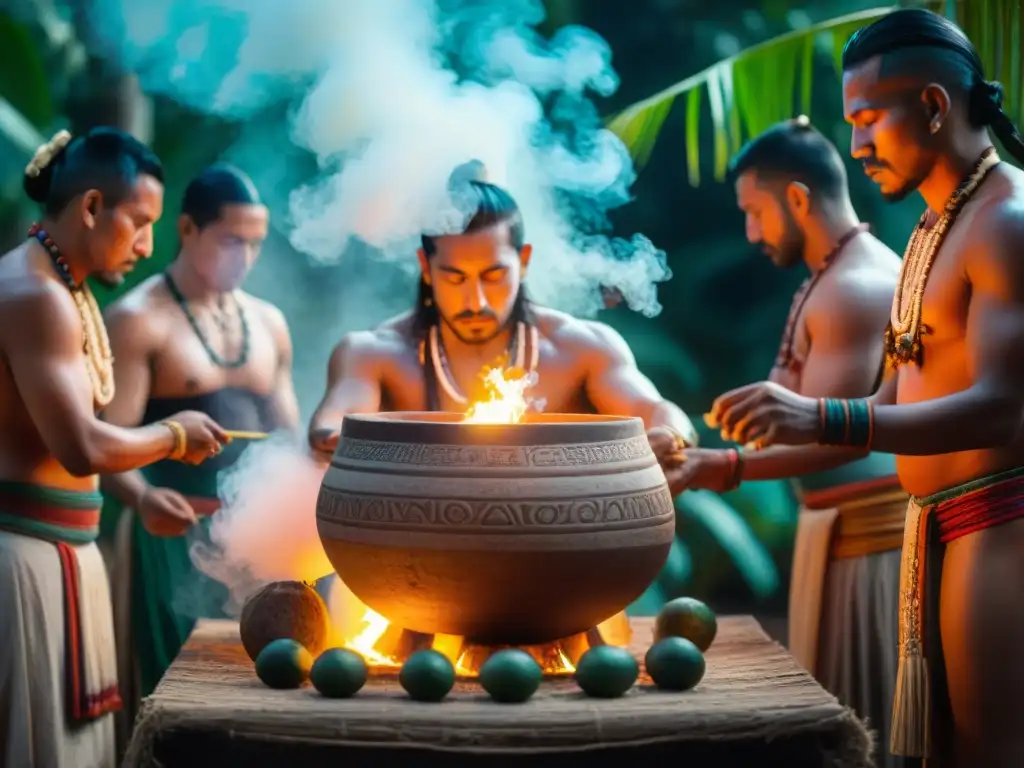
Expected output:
{"points": [[389, 96], [266, 528], [381, 106]]}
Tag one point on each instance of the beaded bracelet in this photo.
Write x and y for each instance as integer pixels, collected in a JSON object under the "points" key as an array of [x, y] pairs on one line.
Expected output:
{"points": [[736, 462], [180, 440], [846, 422]]}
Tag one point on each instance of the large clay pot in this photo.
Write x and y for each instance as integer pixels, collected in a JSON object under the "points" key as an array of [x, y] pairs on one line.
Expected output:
{"points": [[520, 533]]}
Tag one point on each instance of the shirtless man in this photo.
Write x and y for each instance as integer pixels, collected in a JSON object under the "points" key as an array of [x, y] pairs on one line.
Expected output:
{"points": [[101, 195], [472, 309], [791, 185], [914, 90], [190, 338]]}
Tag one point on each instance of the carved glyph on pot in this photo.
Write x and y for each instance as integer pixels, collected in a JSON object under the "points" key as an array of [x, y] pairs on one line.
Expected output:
{"points": [[503, 533]]}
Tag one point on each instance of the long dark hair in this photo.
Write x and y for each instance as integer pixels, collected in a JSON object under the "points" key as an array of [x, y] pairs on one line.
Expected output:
{"points": [[490, 205], [947, 49]]}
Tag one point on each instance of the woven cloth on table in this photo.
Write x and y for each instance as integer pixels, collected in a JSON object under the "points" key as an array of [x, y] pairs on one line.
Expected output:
{"points": [[753, 689]]}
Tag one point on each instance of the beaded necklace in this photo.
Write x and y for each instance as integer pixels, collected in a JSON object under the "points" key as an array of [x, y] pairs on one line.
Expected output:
{"points": [[903, 334], [785, 358], [99, 359], [522, 345], [243, 352]]}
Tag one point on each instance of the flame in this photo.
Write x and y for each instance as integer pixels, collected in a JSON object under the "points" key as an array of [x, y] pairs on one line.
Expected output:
{"points": [[504, 400], [364, 631], [363, 643]]}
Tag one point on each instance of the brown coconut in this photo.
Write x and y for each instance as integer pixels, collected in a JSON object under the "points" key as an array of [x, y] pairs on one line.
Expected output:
{"points": [[285, 609]]}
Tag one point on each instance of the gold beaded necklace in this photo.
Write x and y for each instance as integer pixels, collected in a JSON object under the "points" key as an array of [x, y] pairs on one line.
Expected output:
{"points": [[903, 334], [100, 357]]}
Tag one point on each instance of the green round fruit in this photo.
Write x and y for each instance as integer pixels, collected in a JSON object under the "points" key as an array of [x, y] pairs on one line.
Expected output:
{"points": [[511, 676], [606, 671], [675, 664], [338, 673], [689, 618], [283, 663], [427, 676]]}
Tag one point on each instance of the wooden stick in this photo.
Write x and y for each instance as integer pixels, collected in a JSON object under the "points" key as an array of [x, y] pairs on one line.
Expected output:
{"points": [[236, 434]]}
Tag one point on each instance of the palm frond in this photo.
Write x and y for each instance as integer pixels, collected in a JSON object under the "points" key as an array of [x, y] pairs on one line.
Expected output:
{"points": [[747, 93], [772, 81], [17, 133], [732, 533]]}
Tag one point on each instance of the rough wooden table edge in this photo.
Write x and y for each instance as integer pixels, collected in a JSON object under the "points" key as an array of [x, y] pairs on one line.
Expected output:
{"points": [[156, 718]]}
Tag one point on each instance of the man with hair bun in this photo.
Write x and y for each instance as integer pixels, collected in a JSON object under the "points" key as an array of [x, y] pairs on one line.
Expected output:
{"points": [[472, 311], [101, 194], [791, 185], [953, 405], [190, 338]]}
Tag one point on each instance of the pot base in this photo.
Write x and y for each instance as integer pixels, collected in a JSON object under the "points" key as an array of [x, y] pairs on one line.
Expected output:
{"points": [[385, 648], [510, 534], [488, 606]]}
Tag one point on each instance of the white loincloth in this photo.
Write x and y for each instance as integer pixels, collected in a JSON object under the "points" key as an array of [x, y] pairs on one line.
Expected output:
{"points": [[36, 728]]}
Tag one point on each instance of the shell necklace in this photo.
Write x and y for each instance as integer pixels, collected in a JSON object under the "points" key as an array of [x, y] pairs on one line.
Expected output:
{"points": [[524, 336], [903, 335], [99, 359]]}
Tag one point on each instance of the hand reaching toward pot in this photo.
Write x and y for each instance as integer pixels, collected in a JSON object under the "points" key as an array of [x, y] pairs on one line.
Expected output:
{"points": [[766, 414], [666, 445], [707, 468], [323, 442]]}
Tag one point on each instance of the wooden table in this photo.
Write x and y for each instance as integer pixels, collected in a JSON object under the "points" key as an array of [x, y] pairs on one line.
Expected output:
{"points": [[755, 707]]}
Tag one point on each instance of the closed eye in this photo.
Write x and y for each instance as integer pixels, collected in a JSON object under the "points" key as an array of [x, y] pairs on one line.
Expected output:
{"points": [[495, 275]]}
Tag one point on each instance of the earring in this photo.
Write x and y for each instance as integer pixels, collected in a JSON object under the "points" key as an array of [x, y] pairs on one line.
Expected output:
{"points": [[427, 301], [934, 127]]}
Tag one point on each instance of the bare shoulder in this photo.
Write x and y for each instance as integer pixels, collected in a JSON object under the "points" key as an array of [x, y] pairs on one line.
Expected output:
{"points": [[138, 318], [996, 234], [401, 324], [862, 283], [38, 313], [148, 296], [34, 304], [575, 335], [998, 216], [390, 342], [270, 314]]}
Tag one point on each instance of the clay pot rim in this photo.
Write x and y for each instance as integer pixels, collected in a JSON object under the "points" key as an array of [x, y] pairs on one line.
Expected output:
{"points": [[433, 427]]}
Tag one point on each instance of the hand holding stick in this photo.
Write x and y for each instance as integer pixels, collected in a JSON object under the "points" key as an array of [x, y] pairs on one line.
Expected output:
{"points": [[241, 434]]}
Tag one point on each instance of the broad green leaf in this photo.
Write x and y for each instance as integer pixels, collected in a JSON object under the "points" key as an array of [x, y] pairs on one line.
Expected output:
{"points": [[734, 535], [693, 135], [751, 90], [18, 132], [807, 74], [640, 130], [1011, 57], [758, 86], [716, 102], [23, 80], [658, 350]]}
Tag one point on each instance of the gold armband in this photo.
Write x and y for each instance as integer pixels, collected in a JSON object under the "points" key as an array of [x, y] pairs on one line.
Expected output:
{"points": [[180, 440]]}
